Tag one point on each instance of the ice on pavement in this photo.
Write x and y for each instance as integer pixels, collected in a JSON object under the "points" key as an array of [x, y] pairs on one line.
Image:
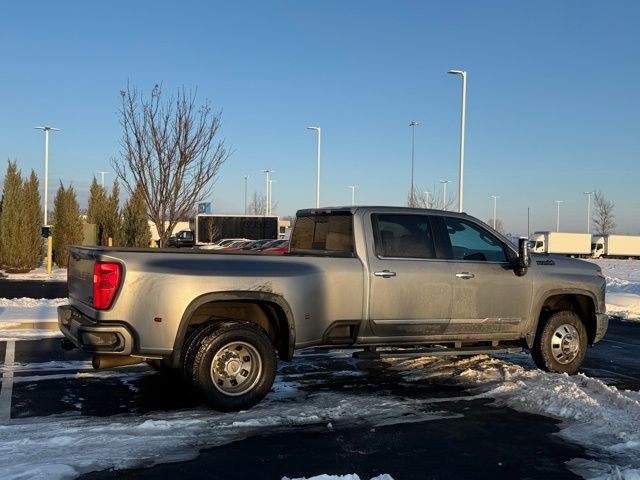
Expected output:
{"points": [[63, 446], [601, 418], [623, 287]]}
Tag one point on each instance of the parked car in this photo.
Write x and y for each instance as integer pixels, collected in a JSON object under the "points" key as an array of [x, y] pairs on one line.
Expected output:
{"points": [[182, 239], [236, 245], [277, 248], [257, 244], [359, 277], [221, 244]]}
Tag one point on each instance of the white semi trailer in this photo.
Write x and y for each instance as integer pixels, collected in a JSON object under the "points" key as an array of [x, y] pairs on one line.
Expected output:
{"points": [[616, 246], [561, 243]]}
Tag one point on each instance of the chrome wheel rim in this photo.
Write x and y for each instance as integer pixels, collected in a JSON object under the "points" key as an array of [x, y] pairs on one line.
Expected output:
{"points": [[236, 368], [565, 344]]}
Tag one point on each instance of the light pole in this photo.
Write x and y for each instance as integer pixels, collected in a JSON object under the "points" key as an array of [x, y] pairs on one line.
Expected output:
{"points": [[444, 193], [266, 190], [102, 174], [246, 179], [463, 74], [353, 194], [46, 130], [413, 126], [588, 194], [317, 129], [495, 201], [558, 202], [270, 206]]}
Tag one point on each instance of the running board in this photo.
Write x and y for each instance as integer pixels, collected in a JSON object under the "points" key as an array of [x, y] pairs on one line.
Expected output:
{"points": [[431, 352]]}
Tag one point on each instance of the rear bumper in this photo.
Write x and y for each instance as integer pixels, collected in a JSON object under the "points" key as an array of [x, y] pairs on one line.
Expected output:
{"points": [[602, 323], [84, 333]]}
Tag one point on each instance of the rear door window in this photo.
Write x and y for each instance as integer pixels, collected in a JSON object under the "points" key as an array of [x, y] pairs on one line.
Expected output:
{"points": [[403, 236], [323, 232], [472, 242]]}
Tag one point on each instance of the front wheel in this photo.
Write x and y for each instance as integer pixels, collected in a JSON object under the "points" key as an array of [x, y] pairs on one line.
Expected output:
{"points": [[561, 344], [235, 366]]}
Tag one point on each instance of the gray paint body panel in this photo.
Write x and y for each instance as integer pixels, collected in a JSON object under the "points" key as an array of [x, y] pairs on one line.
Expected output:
{"points": [[424, 302]]}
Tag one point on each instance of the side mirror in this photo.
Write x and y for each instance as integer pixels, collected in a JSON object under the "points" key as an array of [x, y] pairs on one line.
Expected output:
{"points": [[524, 258]]}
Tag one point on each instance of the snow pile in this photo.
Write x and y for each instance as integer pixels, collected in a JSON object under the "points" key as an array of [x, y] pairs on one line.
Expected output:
{"points": [[27, 334], [40, 273], [623, 287], [16, 311], [601, 418], [47, 447], [352, 476], [26, 302]]}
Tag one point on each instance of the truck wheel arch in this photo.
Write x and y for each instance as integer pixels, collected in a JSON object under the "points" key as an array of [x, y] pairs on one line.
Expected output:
{"points": [[582, 302], [276, 309]]}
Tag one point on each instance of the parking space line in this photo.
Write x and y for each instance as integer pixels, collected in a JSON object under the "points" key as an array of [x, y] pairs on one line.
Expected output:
{"points": [[7, 381]]}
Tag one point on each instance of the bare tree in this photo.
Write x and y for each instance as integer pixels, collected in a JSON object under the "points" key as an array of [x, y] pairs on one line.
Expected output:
{"points": [[499, 225], [258, 205], [603, 216], [213, 231], [432, 200], [171, 149]]}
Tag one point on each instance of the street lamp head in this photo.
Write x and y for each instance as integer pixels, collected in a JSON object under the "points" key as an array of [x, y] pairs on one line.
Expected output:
{"points": [[414, 123], [457, 72], [589, 193], [317, 129], [46, 129], [445, 181]]}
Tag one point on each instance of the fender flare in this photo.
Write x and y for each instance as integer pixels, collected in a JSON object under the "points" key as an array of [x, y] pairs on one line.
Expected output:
{"points": [[537, 310], [251, 295]]}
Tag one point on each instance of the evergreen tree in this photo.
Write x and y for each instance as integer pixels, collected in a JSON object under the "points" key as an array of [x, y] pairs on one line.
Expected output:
{"points": [[112, 221], [67, 224], [33, 242], [135, 221], [11, 253], [96, 210]]}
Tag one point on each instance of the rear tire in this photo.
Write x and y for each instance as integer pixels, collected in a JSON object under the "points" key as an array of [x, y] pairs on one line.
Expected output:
{"points": [[190, 350], [234, 366], [561, 344]]}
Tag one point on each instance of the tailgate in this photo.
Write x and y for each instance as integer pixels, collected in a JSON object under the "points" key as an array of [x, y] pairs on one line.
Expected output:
{"points": [[80, 274]]}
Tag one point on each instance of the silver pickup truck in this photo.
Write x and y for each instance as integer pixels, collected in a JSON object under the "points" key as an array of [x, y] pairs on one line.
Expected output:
{"points": [[423, 281]]}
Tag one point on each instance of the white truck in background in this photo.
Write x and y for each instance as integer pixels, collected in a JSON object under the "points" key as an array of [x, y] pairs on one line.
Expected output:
{"points": [[616, 246], [562, 243]]}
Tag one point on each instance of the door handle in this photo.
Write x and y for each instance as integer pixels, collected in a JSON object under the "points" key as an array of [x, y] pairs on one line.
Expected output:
{"points": [[465, 275], [385, 274]]}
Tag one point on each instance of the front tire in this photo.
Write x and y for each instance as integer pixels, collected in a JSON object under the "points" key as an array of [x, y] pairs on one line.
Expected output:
{"points": [[561, 344], [234, 366]]}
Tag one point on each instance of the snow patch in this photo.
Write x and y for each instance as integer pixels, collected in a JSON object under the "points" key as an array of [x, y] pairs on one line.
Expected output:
{"points": [[26, 302], [31, 448], [27, 334], [599, 417], [623, 287], [40, 273]]}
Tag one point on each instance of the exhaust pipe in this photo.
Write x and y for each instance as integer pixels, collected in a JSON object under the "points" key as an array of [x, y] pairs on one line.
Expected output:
{"points": [[105, 362]]}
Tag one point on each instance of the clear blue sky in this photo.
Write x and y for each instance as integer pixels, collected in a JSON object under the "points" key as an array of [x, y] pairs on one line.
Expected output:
{"points": [[553, 102]]}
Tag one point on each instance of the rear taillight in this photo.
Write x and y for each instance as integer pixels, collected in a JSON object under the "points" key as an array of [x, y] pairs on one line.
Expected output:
{"points": [[106, 280]]}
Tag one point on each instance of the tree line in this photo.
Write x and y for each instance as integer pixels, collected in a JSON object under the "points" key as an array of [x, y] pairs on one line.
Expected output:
{"points": [[21, 242]]}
